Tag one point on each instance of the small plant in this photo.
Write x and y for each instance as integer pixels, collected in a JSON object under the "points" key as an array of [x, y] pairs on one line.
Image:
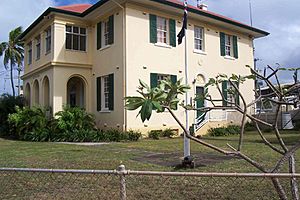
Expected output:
{"points": [[134, 135], [224, 131], [250, 127], [169, 133], [115, 135], [155, 134]]}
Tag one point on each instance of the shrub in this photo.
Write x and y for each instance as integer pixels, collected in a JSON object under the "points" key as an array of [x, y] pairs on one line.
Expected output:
{"points": [[134, 135], [155, 134], [224, 131], [8, 106], [30, 124], [74, 119], [169, 133], [114, 135], [297, 125], [249, 126]]}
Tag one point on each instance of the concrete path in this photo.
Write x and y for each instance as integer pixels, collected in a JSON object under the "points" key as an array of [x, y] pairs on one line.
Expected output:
{"points": [[85, 143]]}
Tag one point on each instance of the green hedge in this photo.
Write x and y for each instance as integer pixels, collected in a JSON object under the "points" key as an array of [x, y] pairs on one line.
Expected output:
{"points": [[69, 125], [224, 131], [156, 134]]}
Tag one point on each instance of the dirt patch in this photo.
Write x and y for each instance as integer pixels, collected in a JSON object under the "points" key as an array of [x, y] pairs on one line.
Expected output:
{"points": [[174, 159]]}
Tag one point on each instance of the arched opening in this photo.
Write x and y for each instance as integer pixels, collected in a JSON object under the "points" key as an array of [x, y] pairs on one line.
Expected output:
{"points": [[46, 89], [36, 93], [27, 94], [76, 92]]}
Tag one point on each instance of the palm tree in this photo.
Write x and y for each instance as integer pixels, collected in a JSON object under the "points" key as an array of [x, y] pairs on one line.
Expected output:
{"points": [[13, 53]]}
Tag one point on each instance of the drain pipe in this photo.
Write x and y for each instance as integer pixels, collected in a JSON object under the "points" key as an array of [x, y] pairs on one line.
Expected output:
{"points": [[124, 59]]}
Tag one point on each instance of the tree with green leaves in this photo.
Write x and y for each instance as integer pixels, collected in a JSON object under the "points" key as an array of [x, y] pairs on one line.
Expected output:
{"points": [[13, 53], [166, 97]]}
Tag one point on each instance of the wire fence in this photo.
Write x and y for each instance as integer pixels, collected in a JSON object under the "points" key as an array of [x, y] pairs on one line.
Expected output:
{"points": [[125, 184]]}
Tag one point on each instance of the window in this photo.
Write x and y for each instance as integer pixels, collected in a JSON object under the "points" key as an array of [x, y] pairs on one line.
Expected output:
{"points": [[162, 77], [199, 38], [48, 40], [105, 32], [228, 45], [155, 78], [105, 93], [38, 47], [230, 94], [162, 30], [29, 53], [75, 38]]}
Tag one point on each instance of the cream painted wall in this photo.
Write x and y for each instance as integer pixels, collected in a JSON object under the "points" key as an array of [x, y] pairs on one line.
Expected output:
{"points": [[109, 60], [144, 58]]}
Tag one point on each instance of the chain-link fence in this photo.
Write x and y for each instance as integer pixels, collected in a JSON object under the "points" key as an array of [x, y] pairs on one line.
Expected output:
{"points": [[125, 184]]}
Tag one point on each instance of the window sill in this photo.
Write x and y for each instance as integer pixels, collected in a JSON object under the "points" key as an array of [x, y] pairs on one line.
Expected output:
{"points": [[200, 52], [103, 48], [163, 45], [48, 52], [78, 51], [104, 111], [229, 58]]}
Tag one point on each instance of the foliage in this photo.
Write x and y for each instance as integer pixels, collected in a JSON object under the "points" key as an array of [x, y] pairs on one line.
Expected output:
{"points": [[155, 134], [12, 52], [134, 135], [297, 125], [249, 126], [224, 131], [156, 99], [115, 135], [30, 124], [73, 119], [8, 106], [169, 133]]}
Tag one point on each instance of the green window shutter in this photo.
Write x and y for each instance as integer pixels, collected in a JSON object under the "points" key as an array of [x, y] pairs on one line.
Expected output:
{"points": [[153, 28], [235, 47], [111, 92], [99, 35], [224, 92], [98, 93], [111, 30], [173, 78], [153, 80], [172, 28], [237, 96], [222, 43]]}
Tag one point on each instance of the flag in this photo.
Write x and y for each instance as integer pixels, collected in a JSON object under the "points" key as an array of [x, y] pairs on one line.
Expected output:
{"points": [[181, 34]]}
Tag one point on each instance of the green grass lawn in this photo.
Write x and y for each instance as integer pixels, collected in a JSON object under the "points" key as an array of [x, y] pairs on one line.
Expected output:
{"points": [[135, 155], [54, 155]]}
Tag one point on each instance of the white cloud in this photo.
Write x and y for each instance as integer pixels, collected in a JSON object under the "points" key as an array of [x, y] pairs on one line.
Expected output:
{"points": [[16, 13], [280, 18]]}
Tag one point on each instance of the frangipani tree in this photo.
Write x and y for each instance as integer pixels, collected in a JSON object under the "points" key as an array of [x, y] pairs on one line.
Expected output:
{"points": [[166, 97]]}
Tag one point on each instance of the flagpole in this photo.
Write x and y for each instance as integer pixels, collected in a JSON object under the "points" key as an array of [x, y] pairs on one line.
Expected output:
{"points": [[187, 149]]}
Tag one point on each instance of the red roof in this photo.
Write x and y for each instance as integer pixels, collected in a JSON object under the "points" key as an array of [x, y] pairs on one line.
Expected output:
{"points": [[79, 8]]}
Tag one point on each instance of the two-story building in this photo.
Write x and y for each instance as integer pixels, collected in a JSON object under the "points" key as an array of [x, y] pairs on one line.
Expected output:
{"points": [[93, 56]]}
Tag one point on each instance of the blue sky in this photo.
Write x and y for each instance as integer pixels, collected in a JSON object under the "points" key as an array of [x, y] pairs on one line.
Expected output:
{"points": [[280, 18]]}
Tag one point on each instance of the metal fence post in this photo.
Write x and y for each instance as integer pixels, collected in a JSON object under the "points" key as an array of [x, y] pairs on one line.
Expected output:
{"points": [[122, 172]]}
